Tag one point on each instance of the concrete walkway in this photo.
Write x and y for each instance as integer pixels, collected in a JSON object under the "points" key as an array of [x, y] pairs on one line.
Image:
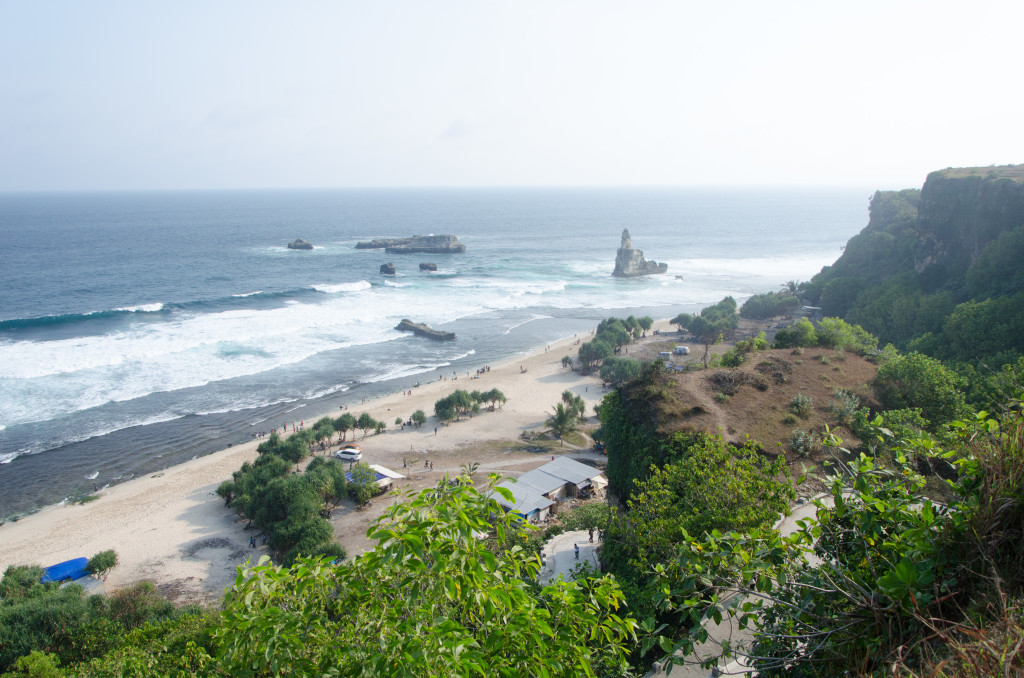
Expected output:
{"points": [[559, 557], [729, 629]]}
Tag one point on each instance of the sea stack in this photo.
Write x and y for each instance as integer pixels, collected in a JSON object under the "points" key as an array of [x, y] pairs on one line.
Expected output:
{"points": [[630, 263], [300, 244], [387, 269]]}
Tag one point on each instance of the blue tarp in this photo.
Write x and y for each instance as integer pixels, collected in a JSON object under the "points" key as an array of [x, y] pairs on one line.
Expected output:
{"points": [[378, 476], [69, 569]]}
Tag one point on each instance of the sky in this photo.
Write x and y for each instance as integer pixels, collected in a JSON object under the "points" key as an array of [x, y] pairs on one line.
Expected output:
{"points": [[212, 94]]}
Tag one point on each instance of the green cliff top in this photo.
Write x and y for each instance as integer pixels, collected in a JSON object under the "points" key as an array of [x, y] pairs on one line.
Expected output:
{"points": [[1014, 172]]}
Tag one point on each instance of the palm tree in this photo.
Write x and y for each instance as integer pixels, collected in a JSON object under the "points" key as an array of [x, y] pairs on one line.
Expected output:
{"points": [[562, 422]]}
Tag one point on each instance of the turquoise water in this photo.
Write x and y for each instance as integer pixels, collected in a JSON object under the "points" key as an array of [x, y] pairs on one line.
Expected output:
{"points": [[138, 330]]}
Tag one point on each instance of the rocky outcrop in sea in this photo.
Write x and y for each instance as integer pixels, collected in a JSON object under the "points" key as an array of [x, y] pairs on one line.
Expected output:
{"points": [[630, 263], [387, 269], [417, 244], [300, 244], [424, 331]]}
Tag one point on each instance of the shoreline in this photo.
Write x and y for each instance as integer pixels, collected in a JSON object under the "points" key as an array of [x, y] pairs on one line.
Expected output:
{"points": [[171, 528]]}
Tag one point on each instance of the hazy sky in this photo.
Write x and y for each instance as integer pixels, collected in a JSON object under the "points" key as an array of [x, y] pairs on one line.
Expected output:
{"points": [[168, 95]]}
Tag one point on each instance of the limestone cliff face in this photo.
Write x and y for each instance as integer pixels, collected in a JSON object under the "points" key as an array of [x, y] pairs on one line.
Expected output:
{"points": [[630, 263]]}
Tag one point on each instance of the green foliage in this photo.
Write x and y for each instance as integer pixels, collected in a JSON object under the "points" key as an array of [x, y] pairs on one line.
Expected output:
{"points": [[419, 418], [915, 380], [630, 434], [892, 574], [710, 486], [365, 423], [769, 305], [620, 370], [288, 507], [562, 422], [364, 482], [801, 333], [43, 620], [102, 563], [844, 404], [429, 599], [804, 443], [734, 357], [21, 582], [345, 423], [802, 405], [840, 335], [712, 324]]}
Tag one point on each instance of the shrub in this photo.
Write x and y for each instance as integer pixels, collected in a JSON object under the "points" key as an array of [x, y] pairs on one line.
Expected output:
{"points": [[802, 405], [803, 442], [843, 405], [721, 397]]}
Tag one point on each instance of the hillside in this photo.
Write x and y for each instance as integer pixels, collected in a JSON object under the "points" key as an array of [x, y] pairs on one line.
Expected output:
{"points": [[927, 253], [753, 400]]}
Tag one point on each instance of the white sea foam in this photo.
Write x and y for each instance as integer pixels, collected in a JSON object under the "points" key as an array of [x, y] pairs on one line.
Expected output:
{"points": [[142, 308], [247, 294], [343, 287]]}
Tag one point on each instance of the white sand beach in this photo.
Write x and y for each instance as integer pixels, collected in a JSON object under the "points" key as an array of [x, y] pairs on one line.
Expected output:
{"points": [[171, 528]]}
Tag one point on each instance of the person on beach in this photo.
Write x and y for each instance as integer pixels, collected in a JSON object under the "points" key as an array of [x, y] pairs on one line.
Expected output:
{"points": [[576, 550]]}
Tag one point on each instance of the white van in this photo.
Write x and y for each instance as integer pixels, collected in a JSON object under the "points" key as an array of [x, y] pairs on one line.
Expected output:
{"points": [[666, 355], [681, 350], [349, 453]]}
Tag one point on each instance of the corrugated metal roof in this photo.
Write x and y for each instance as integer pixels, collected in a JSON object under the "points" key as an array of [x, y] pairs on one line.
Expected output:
{"points": [[569, 470], [527, 499]]}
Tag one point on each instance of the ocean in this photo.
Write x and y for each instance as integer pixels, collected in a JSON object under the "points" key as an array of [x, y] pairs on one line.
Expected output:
{"points": [[139, 330]]}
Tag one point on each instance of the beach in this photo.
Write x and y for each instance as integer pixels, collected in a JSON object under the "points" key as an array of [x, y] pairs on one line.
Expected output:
{"points": [[171, 528]]}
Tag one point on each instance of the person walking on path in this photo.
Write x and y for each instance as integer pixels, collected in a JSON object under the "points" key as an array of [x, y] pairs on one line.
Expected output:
{"points": [[252, 542], [591, 530], [576, 550]]}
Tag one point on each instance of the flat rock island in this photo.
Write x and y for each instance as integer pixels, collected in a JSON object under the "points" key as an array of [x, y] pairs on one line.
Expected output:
{"points": [[417, 244], [630, 263], [300, 244], [424, 331]]}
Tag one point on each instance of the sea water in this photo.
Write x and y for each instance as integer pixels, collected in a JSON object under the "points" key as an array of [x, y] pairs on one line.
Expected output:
{"points": [[139, 330]]}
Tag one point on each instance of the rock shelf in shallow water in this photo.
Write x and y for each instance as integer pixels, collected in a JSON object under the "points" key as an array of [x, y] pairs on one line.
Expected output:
{"points": [[424, 331], [417, 244]]}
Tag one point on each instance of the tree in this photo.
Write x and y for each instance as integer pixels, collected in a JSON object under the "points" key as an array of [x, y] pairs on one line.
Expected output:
{"points": [[646, 323], [419, 418], [800, 333], [707, 331], [591, 354], [494, 396], [566, 361], [323, 429], [915, 380], [345, 423], [439, 602], [562, 422], [102, 563], [366, 423], [363, 483], [620, 370]]}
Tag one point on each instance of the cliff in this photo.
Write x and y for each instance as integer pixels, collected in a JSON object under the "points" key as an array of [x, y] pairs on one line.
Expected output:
{"points": [[958, 239], [630, 263], [417, 244]]}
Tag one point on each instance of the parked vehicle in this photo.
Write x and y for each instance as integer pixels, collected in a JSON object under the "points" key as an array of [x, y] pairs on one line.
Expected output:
{"points": [[349, 453], [681, 350]]}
